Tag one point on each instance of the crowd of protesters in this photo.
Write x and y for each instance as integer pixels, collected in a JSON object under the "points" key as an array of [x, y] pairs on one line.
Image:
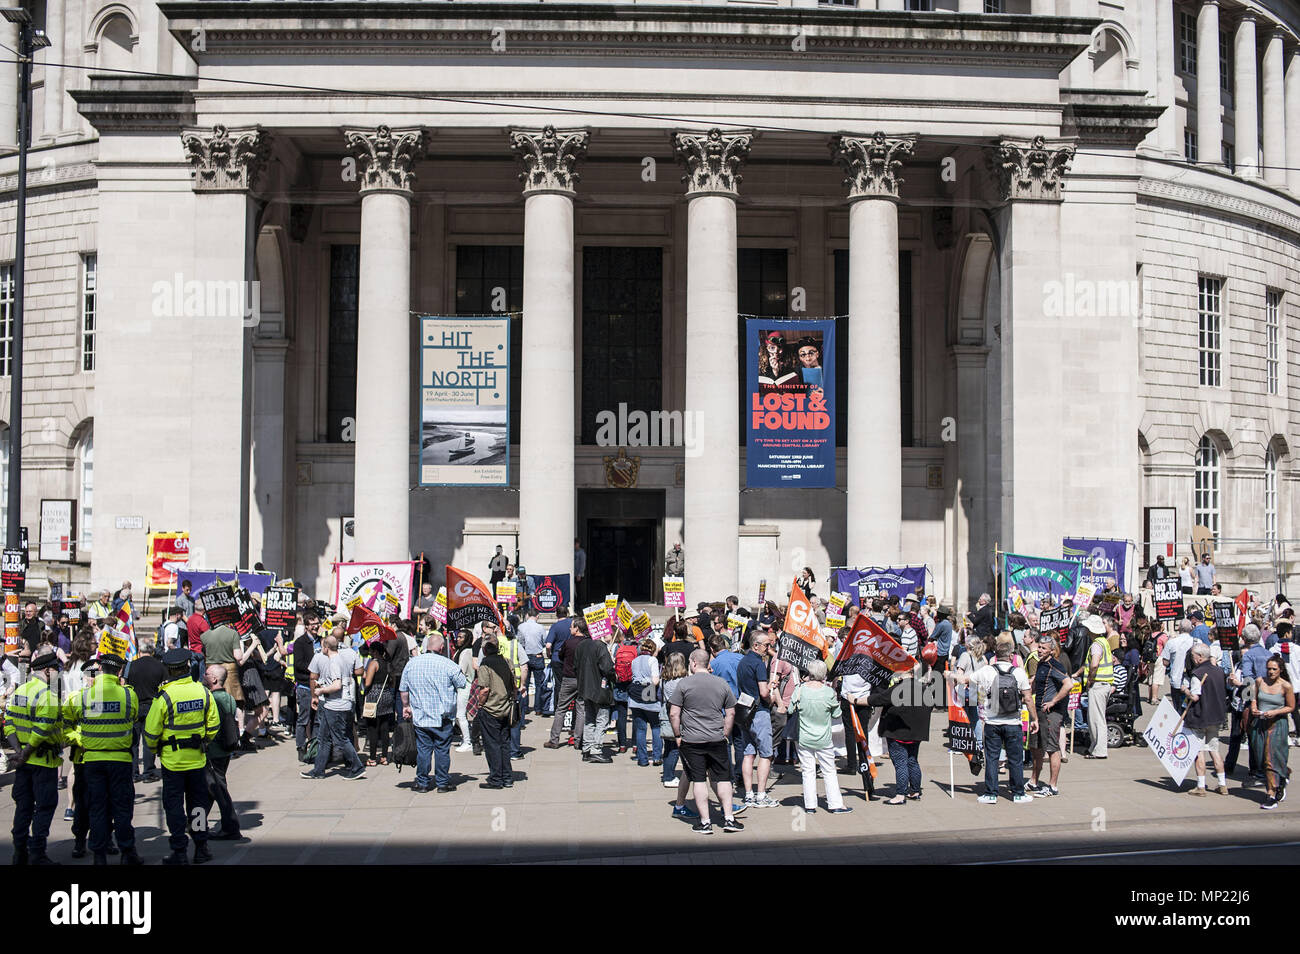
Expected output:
{"points": [[715, 709]]}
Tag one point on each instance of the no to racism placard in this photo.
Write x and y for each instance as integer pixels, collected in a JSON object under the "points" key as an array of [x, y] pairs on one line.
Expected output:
{"points": [[464, 401], [1169, 598], [280, 604], [13, 570], [790, 403], [220, 605]]}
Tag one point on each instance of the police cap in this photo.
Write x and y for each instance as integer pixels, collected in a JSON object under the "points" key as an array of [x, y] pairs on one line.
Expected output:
{"points": [[111, 661], [45, 660], [176, 658]]}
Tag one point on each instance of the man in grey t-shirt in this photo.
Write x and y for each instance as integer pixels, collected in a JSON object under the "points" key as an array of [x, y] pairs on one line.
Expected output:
{"points": [[702, 709], [1205, 576], [335, 691]]}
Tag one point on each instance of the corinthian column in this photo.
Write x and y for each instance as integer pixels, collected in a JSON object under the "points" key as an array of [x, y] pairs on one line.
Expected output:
{"points": [[546, 479], [382, 479], [1030, 176], [711, 503], [875, 435]]}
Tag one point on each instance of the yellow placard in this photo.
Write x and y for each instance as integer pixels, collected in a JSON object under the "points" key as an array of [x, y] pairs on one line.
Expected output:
{"points": [[625, 614], [641, 623], [611, 606], [113, 645], [354, 602]]}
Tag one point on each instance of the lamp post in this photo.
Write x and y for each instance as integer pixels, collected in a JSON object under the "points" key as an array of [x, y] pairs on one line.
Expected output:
{"points": [[30, 40]]}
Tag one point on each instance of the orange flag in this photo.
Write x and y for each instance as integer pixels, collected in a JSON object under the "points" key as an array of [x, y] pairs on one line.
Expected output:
{"points": [[369, 625], [801, 621], [469, 601]]}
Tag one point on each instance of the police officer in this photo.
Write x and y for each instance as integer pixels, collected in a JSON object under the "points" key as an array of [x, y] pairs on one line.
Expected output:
{"points": [[182, 720], [104, 714], [36, 727]]}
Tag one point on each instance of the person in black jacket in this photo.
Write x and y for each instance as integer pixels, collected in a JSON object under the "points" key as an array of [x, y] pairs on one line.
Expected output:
{"points": [[982, 619], [1207, 708], [594, 667], [904, 725], [144, 674]]}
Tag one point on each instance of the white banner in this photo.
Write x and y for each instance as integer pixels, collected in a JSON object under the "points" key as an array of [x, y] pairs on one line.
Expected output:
{"points": [[373, 582], [1175, 748]]}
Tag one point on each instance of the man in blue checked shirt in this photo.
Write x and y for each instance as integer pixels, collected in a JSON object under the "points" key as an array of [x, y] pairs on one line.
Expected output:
{"points": [[428, 687]]}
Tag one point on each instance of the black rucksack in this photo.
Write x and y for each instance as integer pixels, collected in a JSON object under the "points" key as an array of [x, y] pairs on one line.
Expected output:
{"points": [[1006, 694], [228, 731], [403, 749]]}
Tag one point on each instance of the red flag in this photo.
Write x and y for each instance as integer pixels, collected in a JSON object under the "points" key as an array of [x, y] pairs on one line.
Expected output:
{"points": [[364, 620], [1243, 608], [868, 639], [801, 621], [469, 601]]}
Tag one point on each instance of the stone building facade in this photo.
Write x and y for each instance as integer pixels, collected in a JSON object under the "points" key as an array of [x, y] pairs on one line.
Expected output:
{"points": [[1059, 305]]}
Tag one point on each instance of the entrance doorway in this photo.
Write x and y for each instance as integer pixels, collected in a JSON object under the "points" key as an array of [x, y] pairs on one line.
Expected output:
{"points": [[620, 559]]}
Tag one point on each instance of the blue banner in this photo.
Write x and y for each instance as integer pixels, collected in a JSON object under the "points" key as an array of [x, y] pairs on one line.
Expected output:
{"points": [[1104, 561], [548, 592], [1028, 579], [790, 403], [885, 581], [202, 579]]}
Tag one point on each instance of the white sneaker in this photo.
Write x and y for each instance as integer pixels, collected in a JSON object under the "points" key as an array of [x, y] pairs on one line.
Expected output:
{"points": [[1022, 799], [671, 784], [464, 748], [988, 799]]}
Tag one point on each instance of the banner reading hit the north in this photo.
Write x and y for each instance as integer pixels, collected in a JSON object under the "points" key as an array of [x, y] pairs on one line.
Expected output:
{"points": [[790, 403], [464, 401], [1029, 579]]}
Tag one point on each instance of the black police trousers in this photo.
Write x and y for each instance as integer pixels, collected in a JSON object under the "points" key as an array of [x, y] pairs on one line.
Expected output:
{"points": [[36, 796], [111, 794], [186, 803]]}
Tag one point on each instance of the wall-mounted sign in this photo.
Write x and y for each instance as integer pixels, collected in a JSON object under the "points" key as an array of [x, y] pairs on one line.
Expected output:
{"points": [[58, 531]]}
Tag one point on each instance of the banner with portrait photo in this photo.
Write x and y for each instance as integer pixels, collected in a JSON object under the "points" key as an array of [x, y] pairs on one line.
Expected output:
{"points": [[790, 403], [464, 401]]}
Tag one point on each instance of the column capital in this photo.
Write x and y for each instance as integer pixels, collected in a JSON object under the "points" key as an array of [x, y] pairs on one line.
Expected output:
{"points": [[872, 164], [712, 160], [1031, 170], [386, 157], [226, 160], [550, 158]]}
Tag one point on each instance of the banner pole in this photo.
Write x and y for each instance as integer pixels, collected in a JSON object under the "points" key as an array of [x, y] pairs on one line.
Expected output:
{"points": [[952, 778]]}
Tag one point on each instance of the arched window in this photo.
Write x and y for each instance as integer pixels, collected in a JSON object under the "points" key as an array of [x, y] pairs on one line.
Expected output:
{"points": [[116, 45], [1270, 495], [1205, 510], [86, 481]]}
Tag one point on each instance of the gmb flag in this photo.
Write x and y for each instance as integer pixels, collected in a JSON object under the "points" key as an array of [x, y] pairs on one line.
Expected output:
{"points": [[871, 653], [469, 601]]}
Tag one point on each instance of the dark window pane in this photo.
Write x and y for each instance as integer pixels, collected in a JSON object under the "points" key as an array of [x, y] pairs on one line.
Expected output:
{"points": [[341, 370], [763, 283], [480, 270]]}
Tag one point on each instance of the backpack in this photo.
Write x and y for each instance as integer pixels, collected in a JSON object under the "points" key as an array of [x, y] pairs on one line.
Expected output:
{"points": [[228, 731], [1150, 652], [402, 749], [1005, 697], [623, 662]]}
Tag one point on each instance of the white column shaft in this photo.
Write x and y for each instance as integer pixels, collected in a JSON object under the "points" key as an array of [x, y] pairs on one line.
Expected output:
{"points": [[9, 89], [1274, 112], [1042, 8], [53, 110], [1209, 122], [875, 439], [1292, 102], [1166, 56], [711, 508], [546, 476], [383, 445], [970, 6], [1246, 95]]}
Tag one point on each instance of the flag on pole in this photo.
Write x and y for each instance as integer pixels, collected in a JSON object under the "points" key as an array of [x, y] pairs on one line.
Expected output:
{"points": [[366, 622], [1243, 611], [469, 601]]}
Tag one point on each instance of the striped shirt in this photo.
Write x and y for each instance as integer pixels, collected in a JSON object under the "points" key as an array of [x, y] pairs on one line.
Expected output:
{"points": [[430, 681]]}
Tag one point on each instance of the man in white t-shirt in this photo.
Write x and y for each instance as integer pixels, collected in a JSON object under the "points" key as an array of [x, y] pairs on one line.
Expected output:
{"points": [[1173, 654], [1003, 689], [334, 695]]}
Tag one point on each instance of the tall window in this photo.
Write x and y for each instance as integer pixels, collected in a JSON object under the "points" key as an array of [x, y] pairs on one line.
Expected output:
{"points": [[88, 266], [1273, 332], [1270, 495], [6, 319], [622, 333], [341, 380], [842, 331], [921, 5], [1205, 511], [86, 467], [1210, 321], [763, 290], [1229, 156], [1189, 145], [994, 6], [1187, 42], [1225, 62], [490, 280]]}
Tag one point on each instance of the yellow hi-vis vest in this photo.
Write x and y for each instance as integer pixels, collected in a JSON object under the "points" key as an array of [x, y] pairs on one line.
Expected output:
{"points": [[104, 714], [1106, 668], [182, 720], [34, 716]]}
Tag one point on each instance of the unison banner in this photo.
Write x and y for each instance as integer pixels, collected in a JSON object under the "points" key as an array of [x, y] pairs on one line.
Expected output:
{"points": [[790, 403], [464, 401], [863, 584], [1029, 579], [1104, 561]]}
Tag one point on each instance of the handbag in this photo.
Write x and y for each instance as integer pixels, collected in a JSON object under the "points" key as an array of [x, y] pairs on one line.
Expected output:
{"points": [[516, 712], [791, 731], [371, 708]]}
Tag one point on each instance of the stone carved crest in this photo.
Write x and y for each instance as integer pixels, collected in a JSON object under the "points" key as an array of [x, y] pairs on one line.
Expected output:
{"points": [[621, 471], [550, 158], [225, 160], [1031, 170], [873, 164], [386, 156], [712, 160]]}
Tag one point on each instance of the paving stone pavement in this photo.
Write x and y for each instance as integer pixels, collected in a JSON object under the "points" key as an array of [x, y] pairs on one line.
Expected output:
{"points": [[1122, 810]]}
